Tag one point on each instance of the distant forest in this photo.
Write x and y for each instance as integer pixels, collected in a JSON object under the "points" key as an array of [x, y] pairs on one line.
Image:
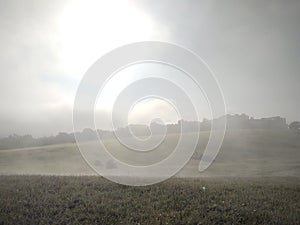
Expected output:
{"points": [[233, 122]]}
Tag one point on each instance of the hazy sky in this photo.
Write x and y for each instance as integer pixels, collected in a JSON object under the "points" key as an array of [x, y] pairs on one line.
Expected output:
{"points": [[46, 46]]}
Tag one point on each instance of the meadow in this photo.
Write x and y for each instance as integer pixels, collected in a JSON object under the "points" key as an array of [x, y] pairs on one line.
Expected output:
{"points": [[94, 200], [244, 153], [255, 179]]}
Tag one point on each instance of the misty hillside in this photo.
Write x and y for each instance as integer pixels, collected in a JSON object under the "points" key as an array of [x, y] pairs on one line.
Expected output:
{"points": [[243, 153], [234, 122]]}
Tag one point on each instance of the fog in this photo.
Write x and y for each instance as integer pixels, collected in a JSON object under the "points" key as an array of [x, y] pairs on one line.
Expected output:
{"points": [[47, 46]]}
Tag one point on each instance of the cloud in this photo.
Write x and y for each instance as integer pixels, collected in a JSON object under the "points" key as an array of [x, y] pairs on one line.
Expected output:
{"points": [[146, 112], [42, 59], [253, 48]]}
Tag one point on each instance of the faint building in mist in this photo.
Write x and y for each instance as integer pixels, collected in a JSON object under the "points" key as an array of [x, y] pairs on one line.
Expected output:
{"points": [[237, 121], [243, 121]]}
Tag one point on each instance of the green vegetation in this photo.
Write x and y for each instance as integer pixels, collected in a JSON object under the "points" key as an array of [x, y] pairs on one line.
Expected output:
{"points": [[254, 180], [94, 200]]}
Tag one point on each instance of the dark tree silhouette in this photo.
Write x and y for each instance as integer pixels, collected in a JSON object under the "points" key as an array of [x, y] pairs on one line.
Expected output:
{"points": [[295, 125]]}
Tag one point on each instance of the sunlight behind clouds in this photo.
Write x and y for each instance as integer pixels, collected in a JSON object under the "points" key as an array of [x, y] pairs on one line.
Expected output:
{"points": [[148, 110], [46, 48], [89, 29]]}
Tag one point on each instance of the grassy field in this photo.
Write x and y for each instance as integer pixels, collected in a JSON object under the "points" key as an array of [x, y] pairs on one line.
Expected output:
{"points": [[94, 200], [255, 179], [244, 153]]}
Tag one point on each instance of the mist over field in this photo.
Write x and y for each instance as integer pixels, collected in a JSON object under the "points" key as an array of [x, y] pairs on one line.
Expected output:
{"points": [[252, 47], [149, 112], [48, 52], [244, 153]]}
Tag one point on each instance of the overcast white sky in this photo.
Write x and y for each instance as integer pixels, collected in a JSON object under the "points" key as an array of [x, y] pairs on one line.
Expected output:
{"points": [[46, 47]]}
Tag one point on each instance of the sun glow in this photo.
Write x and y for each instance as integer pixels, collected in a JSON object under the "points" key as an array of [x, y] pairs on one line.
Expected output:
{"points": [[89, 29]]}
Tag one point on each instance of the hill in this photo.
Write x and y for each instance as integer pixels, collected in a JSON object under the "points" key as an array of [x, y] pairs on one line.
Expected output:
{"points": [[243, 153]]}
